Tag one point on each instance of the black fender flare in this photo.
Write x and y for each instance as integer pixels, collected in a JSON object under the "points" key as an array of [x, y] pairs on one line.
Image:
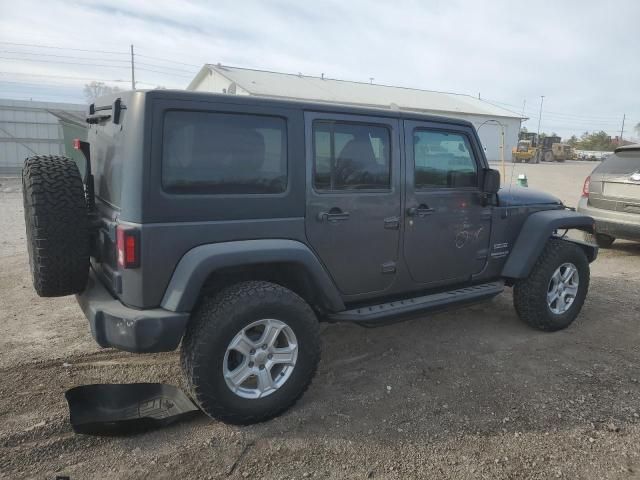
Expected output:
{"points": [[537, 229], [197, 264]]}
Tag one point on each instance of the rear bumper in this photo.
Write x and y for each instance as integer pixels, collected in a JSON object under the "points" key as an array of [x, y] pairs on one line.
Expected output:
{"points": [[612, 223], [116, 325]]}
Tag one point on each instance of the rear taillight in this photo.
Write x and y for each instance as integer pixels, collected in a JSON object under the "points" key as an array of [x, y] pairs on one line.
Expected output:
{"points": [[585, 187], [127, 241]]}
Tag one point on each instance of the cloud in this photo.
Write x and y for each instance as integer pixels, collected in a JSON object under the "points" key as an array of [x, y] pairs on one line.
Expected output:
{"points": [[581, 55]]}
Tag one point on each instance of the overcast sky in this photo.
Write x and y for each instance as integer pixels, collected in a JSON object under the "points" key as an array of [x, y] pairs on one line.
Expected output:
{"points": [[583, 56]]}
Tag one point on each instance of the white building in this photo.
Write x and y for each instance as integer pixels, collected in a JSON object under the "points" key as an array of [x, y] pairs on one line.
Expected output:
{"points": [[488, 119]]}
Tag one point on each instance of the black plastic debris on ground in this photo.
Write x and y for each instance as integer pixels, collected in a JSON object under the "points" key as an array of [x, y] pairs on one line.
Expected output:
{"points": [[120, 409]]}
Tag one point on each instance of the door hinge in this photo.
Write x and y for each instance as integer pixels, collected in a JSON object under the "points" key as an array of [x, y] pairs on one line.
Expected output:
{"points": [[389, 267], [392, 223]]}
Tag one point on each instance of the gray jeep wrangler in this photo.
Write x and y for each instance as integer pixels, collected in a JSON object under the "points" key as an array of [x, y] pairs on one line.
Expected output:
{"points": [[233, 225]]}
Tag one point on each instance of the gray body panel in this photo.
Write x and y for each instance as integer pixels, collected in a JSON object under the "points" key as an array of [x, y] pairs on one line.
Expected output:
{"points": [[199, 263], [356, 270], [380, 253], [533, 236], [450, 243]]}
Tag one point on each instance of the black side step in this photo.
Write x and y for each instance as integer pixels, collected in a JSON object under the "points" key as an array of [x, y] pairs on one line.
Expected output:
{"points": [[382, 313]]}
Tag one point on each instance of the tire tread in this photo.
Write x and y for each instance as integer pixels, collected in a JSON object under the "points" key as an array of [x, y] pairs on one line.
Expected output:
{"points": [[526, 293], [207, 322], [56, 221]]}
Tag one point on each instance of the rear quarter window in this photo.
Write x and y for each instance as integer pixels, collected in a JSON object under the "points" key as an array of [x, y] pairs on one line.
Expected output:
{"points": [[223, 153]]}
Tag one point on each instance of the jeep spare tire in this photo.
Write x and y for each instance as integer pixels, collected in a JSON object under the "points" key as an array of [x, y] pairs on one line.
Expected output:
{"points": [[55, 215]]}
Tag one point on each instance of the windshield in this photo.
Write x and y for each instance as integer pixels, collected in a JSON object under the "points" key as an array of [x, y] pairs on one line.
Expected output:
{"points": [[621, 163]]}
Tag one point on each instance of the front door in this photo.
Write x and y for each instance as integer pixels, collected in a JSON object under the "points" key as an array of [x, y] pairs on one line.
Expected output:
{"points": [[447, 225], [353, 198]]}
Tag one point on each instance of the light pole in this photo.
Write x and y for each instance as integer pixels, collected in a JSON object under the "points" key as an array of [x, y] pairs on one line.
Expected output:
{"points": [[539, 118]]}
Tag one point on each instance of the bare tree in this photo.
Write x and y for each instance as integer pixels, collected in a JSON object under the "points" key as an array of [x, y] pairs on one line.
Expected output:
{"points": [[95, 89]]}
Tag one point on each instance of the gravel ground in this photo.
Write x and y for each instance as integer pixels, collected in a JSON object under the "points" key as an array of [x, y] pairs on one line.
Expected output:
{"points": [[472, 393]]}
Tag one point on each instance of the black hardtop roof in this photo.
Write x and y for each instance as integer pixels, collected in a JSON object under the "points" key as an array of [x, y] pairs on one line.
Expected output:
{"points": [[304, 105], [626, 148]]}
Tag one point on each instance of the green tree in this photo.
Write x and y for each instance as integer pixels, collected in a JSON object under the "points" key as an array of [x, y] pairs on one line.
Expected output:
{"points": [[573, 141], [599, 141]]}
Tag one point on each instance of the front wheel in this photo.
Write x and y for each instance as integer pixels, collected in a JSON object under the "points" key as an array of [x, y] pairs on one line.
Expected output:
{"points": [[250, 352], [553, 294]]}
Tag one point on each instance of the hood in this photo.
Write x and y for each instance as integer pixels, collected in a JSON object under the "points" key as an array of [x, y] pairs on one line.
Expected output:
{"points": [[520, 196]]}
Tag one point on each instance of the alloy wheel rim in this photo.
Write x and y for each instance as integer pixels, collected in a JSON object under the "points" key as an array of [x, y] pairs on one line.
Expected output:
{"points": [[563, 288], [260, 358]]}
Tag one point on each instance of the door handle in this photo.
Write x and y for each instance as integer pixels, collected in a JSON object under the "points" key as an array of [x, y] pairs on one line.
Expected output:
{"points": [[332, 216], [421, 210]]}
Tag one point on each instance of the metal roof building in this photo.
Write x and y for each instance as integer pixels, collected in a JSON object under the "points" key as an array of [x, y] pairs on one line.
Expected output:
{"points": [[34, 128], [488, 118]]}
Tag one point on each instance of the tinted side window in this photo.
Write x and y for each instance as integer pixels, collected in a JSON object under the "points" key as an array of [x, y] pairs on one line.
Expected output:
{"points": [[443, 160], [351, 156], [219, 153]]}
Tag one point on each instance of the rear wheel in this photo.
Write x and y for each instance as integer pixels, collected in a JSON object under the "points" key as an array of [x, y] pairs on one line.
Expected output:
{"points": [[548, 157], [600, 239], [250, 352], [55, 214], [553, 294]]}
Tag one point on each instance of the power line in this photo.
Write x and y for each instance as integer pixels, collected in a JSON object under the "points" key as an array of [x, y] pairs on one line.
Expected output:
{"points": [[169, 61], [62, 63], [127, 62], [165, 73], [41, 94], [62, 48], [87, 64], [588, 117], [13, 52], [42, 84], [63, 76], [163, 67]]}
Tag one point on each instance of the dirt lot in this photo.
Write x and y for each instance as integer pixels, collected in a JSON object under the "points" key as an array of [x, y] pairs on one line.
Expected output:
{"points": [[468, 394]]}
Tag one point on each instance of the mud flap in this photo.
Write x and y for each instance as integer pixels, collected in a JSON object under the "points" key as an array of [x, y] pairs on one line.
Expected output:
{"points": [[121, 409]]}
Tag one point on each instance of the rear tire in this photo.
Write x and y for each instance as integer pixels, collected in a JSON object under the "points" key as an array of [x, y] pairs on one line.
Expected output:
{"points": [[57, 225], [531, 295], [207, 352], [600, 239]]}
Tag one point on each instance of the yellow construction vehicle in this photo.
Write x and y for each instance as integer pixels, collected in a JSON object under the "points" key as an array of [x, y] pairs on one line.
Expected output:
{"points": [[530, 149], [551, 149], [526, 150]]}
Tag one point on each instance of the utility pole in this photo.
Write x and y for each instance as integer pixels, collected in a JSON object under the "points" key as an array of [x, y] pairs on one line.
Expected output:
{"points": [[539, 118], [624, 116], [133, 71], [524, 104]]}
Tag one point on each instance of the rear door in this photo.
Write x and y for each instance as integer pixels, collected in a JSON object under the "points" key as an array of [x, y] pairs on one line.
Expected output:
{"points": [[353, 198], [447, 228]]}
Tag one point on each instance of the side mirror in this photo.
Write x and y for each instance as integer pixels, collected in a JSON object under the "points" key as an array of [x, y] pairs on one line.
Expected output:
{"points": [[491, 181]]}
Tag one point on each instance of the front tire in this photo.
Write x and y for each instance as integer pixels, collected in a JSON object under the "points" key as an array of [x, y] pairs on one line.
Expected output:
{"points": [[553, 294], [250, 352]]}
